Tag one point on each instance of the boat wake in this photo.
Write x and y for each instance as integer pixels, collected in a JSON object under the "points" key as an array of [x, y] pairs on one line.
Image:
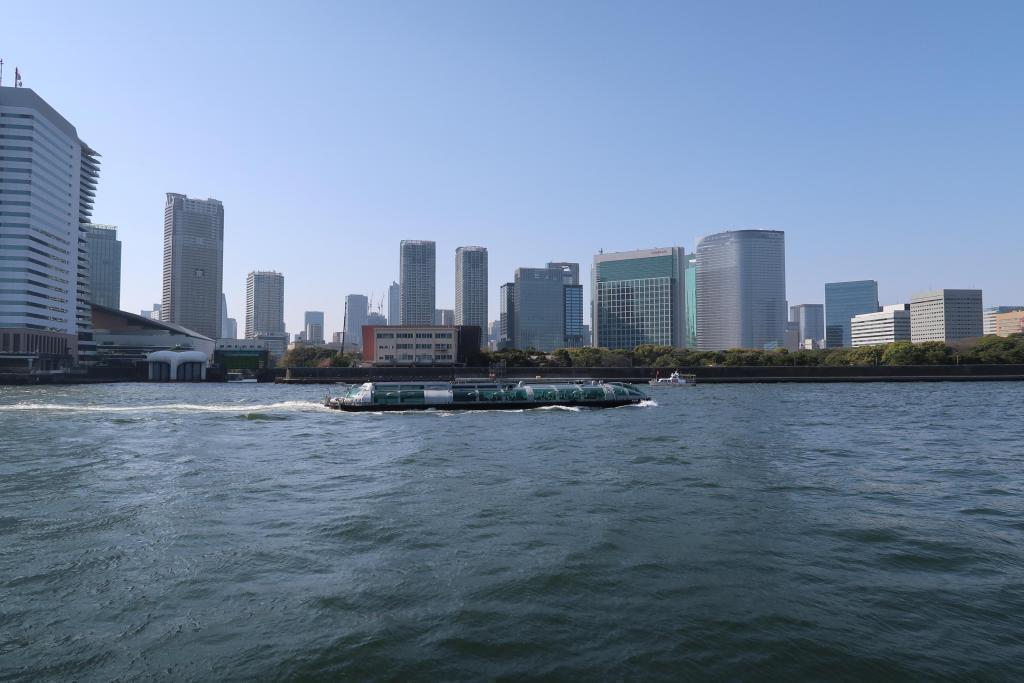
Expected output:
{"points": [[298, 406]]}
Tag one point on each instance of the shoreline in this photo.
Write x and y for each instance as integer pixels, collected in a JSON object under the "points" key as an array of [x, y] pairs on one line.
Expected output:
{"points": [[637, 375]]}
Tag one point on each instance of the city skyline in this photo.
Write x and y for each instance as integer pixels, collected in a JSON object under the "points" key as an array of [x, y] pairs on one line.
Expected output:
{"points": [[808, 163]]}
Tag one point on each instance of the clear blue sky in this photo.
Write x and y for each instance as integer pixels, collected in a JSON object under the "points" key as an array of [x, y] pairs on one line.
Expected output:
{"points": [[885, 138]]}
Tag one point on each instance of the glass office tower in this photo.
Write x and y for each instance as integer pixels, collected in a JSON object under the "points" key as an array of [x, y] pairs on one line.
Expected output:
{"points": [[741, 290], [690, 277], [572, 308], [810, 321], [843, 300], [539, 302], [639, 298], [104, 265], [507, 321]]}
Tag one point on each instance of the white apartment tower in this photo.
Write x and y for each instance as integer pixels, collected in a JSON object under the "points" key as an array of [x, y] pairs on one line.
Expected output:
{"points": [[471, 287], [264, 304], [418, 266]]}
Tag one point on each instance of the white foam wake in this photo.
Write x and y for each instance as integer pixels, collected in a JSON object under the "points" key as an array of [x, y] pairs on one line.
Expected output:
{"points": [[168, 407]]}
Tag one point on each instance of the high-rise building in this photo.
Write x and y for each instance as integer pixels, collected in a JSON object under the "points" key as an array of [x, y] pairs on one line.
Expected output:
{"points": [[990, 313], [494, 334], [471, 287], [572, 303], [891, 324], [810, 321], [264, 304], [230, 331], [690, 285], [638, 298], [843, 300], [104, 265], [313, 326], [394, 304], [48, 181], [741, 290], [946, 315], [152, 314], [376, 319], [539, 304], [357, 307], [444, 316], [193, 263], [570, 271], [507, 320], [225, 325], [418, 278]]}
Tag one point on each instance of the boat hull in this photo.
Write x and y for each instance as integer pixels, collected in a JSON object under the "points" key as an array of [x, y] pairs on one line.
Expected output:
{"points": [[481, 405]]}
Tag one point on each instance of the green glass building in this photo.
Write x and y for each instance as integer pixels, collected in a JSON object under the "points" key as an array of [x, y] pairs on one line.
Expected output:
{"points": [[638, 297], [690, 261]]}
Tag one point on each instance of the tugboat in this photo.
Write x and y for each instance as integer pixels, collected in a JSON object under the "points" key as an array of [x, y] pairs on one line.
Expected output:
{"points": [[484, 395]]}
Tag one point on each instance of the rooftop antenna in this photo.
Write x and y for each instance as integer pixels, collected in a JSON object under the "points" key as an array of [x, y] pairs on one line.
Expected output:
{"points": [[1, 71], [17, 78]]}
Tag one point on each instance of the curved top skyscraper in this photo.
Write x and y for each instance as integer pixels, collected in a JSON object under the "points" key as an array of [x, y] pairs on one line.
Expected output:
{"points": [[741, 289]]}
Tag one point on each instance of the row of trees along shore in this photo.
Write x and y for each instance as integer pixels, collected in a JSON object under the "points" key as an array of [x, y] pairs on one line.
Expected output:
{"points": [[985, 350], [1008, 350]]}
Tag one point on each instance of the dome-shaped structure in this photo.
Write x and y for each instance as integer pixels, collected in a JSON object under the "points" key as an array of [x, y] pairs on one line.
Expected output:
{"points": [[177, 366]]}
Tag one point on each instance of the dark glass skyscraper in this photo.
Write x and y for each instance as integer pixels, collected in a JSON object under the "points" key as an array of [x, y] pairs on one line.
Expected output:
{"points": [[539, 302], [741, 290], [572, 307], [104, 265], [843, 300]]}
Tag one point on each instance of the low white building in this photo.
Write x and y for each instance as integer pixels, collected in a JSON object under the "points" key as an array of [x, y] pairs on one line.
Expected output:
{"points": [[891, 324]]}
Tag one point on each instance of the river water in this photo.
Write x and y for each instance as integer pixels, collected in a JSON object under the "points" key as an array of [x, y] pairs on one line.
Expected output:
{"points": [[206, 532]]}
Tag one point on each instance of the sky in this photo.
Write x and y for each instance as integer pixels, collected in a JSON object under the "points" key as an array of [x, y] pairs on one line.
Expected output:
{"points": [[885, 138]]}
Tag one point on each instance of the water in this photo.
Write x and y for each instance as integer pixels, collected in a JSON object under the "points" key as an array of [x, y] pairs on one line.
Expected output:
{"points": [[776, 531]]}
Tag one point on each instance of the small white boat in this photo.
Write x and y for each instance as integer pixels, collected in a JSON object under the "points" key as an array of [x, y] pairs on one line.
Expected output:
{"points": [[675, 380]]}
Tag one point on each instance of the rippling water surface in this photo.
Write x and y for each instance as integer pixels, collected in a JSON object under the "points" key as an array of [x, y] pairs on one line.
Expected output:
{"points": [[772, 531]]}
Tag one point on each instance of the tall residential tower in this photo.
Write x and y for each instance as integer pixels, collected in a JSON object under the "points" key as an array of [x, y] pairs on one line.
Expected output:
{"points": [[471, 287], [193, 263], [264, 304], [418, 264]]}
